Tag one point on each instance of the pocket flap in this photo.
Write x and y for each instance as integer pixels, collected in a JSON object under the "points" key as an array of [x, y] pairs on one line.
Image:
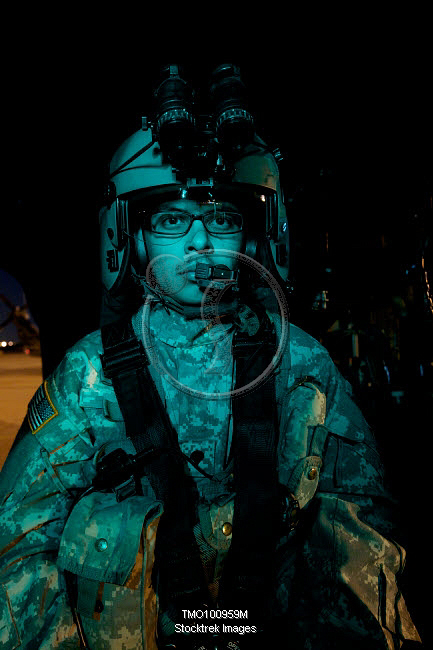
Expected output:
{"points": [[304, 479], [101, 536]]}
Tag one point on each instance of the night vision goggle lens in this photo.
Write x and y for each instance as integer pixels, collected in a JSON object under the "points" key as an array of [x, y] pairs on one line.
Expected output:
{"points": [[218, 222]]}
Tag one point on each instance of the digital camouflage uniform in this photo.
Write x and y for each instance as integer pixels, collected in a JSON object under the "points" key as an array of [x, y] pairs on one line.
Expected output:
{"points": [[337, 571]]}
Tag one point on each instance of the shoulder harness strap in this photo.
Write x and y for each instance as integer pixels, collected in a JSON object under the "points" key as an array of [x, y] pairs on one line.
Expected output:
{"points": [[147, 424], [248, 575]]}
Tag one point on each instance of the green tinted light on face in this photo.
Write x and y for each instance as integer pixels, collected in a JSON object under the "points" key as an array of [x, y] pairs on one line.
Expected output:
{"points": [[177, 223]]}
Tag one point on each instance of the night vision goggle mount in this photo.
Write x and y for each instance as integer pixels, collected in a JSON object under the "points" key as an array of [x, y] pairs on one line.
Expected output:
{"points": [[201, 145]]}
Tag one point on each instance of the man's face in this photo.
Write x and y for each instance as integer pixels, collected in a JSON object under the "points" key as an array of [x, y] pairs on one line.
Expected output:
{"points": [[173, 257]]}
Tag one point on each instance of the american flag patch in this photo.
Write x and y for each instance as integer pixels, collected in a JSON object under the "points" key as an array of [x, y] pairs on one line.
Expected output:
{"points": [[41, 409]]}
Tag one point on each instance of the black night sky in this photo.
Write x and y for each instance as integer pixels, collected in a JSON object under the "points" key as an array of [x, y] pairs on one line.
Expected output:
{"points": [[354, 130], [353, 122]]}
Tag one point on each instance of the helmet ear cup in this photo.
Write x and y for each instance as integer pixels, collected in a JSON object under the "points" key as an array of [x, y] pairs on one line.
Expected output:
{"points": [[140, 257]]}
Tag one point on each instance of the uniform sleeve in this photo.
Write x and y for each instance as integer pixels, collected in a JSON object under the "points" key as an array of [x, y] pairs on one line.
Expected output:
{"points": [[48, 465], [348, 576]]}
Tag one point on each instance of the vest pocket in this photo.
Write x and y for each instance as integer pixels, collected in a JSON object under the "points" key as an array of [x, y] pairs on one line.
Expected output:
{"points": [[108, 547], [101, 537]]}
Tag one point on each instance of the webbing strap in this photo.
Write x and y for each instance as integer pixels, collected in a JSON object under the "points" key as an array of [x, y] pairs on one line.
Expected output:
{"points": [[149, 428], [248, 575]]}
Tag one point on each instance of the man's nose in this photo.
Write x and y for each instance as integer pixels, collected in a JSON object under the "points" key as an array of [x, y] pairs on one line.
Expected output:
{"points": [[198, 237]]}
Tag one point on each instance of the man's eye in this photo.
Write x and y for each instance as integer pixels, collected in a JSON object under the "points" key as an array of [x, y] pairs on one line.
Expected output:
{"points": [[223, 221], [168, 221]]}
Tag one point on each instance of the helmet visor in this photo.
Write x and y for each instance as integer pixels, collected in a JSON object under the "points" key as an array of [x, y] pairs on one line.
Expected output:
{"points": [[224, 209]]}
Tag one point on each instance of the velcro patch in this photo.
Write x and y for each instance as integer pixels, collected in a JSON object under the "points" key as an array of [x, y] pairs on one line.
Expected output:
{"points": [[41, 409]]}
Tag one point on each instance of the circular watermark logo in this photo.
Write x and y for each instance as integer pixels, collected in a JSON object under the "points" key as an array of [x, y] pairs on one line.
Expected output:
{"points": [[164, 273], [169, 274]]}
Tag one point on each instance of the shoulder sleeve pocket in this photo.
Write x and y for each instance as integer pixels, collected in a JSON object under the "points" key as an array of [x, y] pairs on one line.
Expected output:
{"points": [[350, 464]]}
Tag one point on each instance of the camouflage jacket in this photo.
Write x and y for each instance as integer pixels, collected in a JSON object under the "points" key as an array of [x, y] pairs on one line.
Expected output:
{"points": [[337, 575]]}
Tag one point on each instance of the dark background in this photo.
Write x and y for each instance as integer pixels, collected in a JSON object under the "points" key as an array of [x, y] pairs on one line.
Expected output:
{"points": [[352, 119]]}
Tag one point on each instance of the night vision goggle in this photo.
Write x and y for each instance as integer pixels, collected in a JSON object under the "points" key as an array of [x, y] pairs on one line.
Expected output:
{"points": [[197, 144]]}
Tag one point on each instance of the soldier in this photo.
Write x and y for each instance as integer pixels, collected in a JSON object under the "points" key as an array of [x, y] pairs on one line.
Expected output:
{"points": [[195, 473]]}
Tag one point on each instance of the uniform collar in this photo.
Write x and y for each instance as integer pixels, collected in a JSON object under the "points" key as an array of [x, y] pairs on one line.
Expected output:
{"points": [[174, 329]]}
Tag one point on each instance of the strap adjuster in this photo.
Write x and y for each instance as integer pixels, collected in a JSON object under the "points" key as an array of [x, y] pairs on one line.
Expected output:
{"points": [[124, 357]]}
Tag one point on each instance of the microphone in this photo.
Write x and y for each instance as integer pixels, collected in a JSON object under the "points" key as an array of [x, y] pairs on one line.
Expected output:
{"points": [[220, 276]]}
